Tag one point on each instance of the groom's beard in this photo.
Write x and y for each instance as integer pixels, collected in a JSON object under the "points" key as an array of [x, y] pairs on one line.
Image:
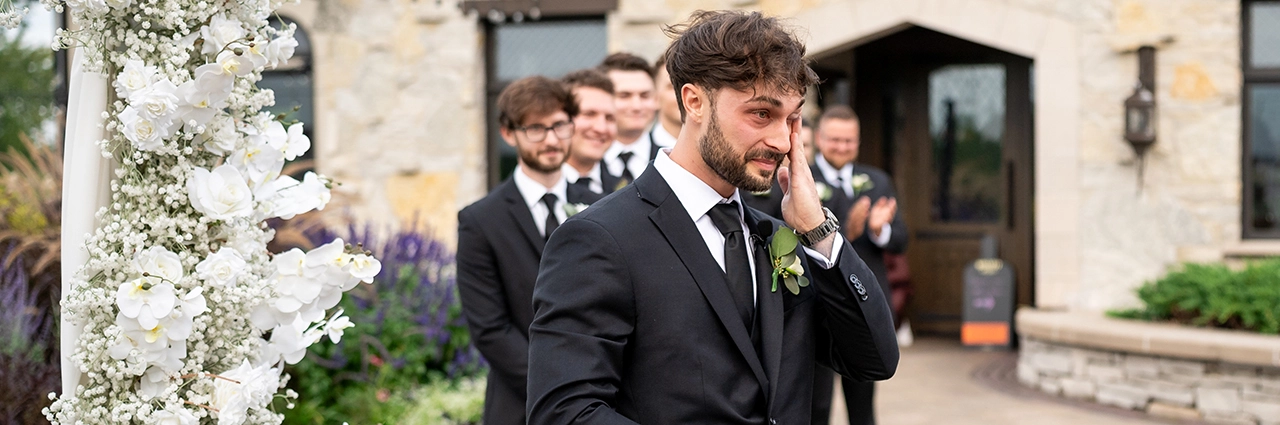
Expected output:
{"points": [[731, 166]]}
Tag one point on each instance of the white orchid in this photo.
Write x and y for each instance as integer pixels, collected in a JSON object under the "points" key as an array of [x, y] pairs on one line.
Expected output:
{"points": [[221, 194], [243, 388], [364, 267], [259, 162], [222, 268], [220, 137], [234, 63], [154, 382], [286, 197], [280, 50], [119, 4], [291, 340], [146, 299], [205, 95], [335, 327], [297, 142]]}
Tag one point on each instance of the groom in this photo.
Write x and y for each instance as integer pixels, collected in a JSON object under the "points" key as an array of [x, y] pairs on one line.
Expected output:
{"points": [[657, 304]]}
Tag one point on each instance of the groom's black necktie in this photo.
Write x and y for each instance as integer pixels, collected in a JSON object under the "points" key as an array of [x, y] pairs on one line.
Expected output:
{"points": [[550, 201], [625, 157], [737, 268]]}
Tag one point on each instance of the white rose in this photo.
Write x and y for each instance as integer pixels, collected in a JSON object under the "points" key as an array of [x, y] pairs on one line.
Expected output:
{"points": [[135, 76], [175, 415], [160, 262], [221, 194], [244, 388], [222, 268], [158, 101], [220, 32], [297, 142], [144, 133]]}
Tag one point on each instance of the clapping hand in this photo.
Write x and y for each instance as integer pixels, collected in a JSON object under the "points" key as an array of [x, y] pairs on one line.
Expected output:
{"points": [[857, 219], [864, 216]]}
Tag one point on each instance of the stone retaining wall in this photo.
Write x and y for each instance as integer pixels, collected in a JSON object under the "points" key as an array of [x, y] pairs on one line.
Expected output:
{"points": [[1214, 391]]}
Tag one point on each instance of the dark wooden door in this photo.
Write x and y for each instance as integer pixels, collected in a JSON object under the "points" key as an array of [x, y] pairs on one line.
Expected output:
{"points": [[951, 121]]}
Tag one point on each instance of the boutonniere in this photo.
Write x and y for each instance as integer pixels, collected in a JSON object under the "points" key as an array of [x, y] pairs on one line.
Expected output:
{"points": [[786, 264], [621, 184], [572, 209], [861, 183], [824, 191]]}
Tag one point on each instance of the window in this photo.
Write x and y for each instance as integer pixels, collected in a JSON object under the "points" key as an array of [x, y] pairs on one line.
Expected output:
{"points": [[549, 47], [1260, 35], [292, 83]]}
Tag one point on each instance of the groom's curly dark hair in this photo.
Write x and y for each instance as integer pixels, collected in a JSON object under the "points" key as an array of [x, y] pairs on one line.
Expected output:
{"points": [[736, 49]]}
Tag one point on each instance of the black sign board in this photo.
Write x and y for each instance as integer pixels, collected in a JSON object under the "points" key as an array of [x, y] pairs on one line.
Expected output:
{"points": [[988, 303]]}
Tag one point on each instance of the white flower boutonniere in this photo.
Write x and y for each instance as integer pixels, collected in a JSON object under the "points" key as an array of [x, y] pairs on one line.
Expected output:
{"points": [[573, 209], [824, 191], [861, 183]]}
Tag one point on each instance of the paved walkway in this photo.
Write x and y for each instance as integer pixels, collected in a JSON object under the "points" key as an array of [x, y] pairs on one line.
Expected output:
{"points": [[941, 382]]}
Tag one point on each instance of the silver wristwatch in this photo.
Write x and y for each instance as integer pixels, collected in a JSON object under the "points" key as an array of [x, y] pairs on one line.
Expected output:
{"points": [[819, 233]]}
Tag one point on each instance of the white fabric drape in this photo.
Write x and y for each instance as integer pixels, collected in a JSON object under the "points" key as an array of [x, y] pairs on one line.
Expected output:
{"points": [[86, 187]]}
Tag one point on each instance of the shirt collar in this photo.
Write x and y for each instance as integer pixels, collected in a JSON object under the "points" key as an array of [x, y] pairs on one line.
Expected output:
{"points": [[661, 137], [572, 175], [640, 147], [532, 191], [830, 173], [695, 195]]}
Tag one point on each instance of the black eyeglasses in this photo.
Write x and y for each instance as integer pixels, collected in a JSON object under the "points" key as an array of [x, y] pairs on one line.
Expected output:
{"points": [[537, 133]]}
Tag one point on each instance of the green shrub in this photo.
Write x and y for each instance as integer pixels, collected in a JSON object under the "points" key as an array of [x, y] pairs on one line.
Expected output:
{"points": [[1213, 295]]}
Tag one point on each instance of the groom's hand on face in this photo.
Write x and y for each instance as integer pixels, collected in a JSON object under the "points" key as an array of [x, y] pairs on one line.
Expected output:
{"points": [[801, 207]]}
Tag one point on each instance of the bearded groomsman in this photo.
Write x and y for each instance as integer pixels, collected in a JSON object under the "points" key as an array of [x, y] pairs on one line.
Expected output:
{"points": [[634, 94], [595, 129], [864, 196], [500, 237]]}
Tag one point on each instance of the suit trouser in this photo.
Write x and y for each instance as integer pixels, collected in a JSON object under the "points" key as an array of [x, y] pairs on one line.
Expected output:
{"points": [[859, 398]]}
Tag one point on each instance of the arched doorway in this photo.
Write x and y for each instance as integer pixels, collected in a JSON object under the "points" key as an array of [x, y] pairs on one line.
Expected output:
{"points": [[951, 121]]}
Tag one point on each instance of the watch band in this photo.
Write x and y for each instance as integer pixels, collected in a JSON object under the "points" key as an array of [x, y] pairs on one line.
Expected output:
{"points": [[828, 226]]}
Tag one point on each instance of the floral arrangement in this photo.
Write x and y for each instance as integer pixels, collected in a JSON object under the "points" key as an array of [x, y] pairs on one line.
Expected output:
{"points": [[186, 316]]}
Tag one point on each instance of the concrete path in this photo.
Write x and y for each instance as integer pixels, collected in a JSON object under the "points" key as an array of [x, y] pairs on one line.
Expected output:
{"points": [[941, 382]]}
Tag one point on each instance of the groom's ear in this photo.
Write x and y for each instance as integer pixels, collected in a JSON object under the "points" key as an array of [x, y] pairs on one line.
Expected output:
{"points": [[695, 100]]}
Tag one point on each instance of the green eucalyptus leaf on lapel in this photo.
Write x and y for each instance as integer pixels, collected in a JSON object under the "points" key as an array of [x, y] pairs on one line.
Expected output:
{"points": [[804, 281], [792, 284], [784, 242]]}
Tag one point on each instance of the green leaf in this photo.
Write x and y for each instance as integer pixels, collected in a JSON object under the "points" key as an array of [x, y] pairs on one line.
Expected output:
{"points": [[792, 285], [784, 242], [804, 281]]}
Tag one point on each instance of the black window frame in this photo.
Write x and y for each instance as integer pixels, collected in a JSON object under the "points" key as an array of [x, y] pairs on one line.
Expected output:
{"points": [[1251, 77]]}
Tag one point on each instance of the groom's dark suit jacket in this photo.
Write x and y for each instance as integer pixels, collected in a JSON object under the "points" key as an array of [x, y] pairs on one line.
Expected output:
{"points": [[634, 323], [840, 204], [498, 251]]}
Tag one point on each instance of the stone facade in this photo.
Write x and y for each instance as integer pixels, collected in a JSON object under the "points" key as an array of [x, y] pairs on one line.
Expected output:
{"points": [[399, 94], [1171, 388]]}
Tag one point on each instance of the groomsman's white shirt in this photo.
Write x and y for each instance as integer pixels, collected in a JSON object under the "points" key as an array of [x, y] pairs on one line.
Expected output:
{"points": [[661, 137], [572, 176], [844, 181], [532, 192], [636, 164]]}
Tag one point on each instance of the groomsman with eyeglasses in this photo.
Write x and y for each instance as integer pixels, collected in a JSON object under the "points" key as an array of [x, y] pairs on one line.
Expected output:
{"points": [[501, 237]]}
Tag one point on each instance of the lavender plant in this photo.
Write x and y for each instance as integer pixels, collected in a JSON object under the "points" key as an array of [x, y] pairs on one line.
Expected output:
{"points": [[28, 344]]}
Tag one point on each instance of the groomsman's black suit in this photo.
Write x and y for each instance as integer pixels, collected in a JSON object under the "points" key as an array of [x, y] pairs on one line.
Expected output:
{"points": [[634, 323], [499, 247], [860, 395]]}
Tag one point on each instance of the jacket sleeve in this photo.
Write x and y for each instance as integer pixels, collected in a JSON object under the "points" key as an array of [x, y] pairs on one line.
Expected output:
{"points": [[855, 332], [584, 316], [485, 303]]}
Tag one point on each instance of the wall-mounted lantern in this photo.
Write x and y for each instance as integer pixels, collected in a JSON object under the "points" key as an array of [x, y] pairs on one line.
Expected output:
{"points": [[1140, 107]]}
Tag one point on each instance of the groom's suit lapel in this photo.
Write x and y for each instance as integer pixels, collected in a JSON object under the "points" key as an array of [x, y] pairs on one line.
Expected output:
{"points": [[769, 306], [523, 217], [672, 220]]}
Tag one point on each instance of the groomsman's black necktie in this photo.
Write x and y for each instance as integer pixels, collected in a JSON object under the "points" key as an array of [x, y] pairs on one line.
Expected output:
{"points": [[626, 171], [737, 268], [584, 182], [550, 201]]}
